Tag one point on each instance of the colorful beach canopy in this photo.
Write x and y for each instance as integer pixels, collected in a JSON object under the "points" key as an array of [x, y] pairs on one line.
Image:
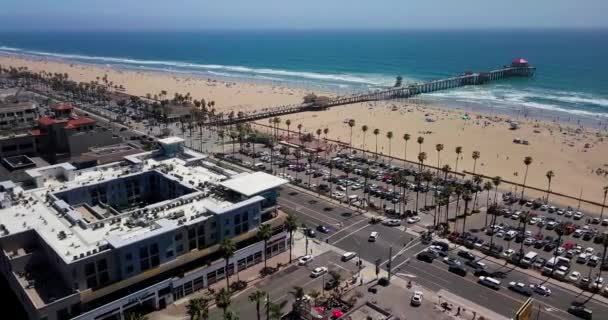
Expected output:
{"points": [[337, 313]]}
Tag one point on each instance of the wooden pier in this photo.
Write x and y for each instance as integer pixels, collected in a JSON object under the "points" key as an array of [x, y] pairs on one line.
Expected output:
{"points": [[518, 68]]}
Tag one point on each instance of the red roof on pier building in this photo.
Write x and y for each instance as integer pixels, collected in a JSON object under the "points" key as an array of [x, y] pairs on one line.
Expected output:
{"points": [[520, 61]]}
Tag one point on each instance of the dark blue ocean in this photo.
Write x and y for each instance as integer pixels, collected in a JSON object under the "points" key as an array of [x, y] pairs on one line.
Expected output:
{"points": [[572, 74]]}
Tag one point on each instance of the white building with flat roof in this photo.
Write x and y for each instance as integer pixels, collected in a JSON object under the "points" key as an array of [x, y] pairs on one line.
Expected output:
{"points": [[79, 243]]}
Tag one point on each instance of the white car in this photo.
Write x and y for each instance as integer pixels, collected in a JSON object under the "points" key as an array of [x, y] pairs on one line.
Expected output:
{"points": [[318, 271], [589, 250], [508, 253], [574, 276], [540, 289], [392, 222], [413, 220], [305, 260], [416, 298]]}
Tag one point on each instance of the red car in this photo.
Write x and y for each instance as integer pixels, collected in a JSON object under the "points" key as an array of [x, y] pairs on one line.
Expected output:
{"points": [[569, 245]]}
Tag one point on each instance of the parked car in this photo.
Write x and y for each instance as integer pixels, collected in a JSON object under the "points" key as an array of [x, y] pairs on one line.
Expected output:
{"points": [[466, 254], [425, 256]]}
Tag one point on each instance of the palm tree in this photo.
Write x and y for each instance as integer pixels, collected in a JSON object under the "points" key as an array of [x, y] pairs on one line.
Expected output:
{"points": [[351, 124], [265, 233], [550, 175], [376, 133], [496, 182], [227, 248], [406, 138], [276, 310], [466, 197], [288, 123], [477, 181], [291, 223], [233, 135], [487, 187], [458, 152], [603, 203], [136, 316], [364, 128], [276, 122], [299, 130], [524, 219], [527, 162], [389, 136], [231, 315], [439, 148], [258, 297], [605, 245], [421, 159], [420, 142], [560, 230], [220, 134], [319, 131], [298, 295], [222, 300], [194, 307], [325, 132], [475, 156]]}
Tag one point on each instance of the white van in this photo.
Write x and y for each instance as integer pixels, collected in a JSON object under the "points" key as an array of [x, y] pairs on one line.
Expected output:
{"points": [[490, 282], [529, 258], [373, 236], [348, 256]]}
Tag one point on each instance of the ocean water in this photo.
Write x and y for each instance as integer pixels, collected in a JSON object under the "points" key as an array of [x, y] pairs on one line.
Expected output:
{"points": [[572, 65]]}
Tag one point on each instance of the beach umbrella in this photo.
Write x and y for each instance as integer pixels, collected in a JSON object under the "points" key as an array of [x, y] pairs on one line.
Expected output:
{"points": [[319, 309], [337, 313]]}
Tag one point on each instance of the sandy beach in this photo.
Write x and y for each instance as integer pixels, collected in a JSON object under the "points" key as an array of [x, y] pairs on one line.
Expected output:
{"points": [[577, 155]]}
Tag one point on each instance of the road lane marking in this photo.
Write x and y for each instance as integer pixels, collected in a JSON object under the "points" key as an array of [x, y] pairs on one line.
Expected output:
{"points": [[350, 234], [302, 207], [496, 291], [347, 227], [409, 246]]}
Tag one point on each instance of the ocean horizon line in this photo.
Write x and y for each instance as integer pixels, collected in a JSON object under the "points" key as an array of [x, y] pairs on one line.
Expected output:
{"points": [[271, 30]]}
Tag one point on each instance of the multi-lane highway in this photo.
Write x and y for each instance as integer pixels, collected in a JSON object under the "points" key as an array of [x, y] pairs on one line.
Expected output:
{"points": [[349, 230]]}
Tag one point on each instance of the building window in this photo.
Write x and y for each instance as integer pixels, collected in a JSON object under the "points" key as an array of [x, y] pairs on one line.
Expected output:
{"points": [[178, 237], [169, 253], [143, 252], [129, 268], [144, 265], [155, 261], [92, 282], [129, 256], [180, 248], [104, 278], [89, 269], [102, 265], [154, 249]]}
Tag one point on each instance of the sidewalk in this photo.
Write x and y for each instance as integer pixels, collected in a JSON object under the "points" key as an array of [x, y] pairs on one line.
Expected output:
{"points": [[177, 310]]}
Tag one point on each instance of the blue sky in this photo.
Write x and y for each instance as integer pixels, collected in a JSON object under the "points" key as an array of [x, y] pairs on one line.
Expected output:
{"points": [[299, 14]]}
